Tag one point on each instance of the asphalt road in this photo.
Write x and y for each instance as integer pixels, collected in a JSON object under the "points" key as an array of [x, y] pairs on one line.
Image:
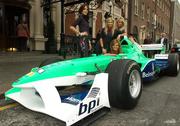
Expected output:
{"points": [[15, 65], [159, 104]]}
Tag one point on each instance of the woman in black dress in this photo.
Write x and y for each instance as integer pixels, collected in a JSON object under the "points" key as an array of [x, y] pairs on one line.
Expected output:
{"points": [[83, 31], [107, 35]]}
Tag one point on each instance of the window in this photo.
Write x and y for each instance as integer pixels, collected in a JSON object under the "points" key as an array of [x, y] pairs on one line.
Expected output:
{"points": [[156, 18], [1, 20], [142, 10], [163, 5], [136, 7], [148, 14], [158, 2], [152, 17]]}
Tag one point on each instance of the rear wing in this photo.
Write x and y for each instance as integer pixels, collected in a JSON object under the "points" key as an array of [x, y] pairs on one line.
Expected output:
{"points": [[149, 47]]}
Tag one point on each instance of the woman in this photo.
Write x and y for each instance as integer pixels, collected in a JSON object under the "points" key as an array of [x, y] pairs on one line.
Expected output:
{"points": [[23, 35], [83, 31], [120, 30], [107, 35], [115, 48]]}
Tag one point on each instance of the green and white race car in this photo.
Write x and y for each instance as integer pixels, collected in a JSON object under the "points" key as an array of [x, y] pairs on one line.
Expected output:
{"points": [[73, 89]]}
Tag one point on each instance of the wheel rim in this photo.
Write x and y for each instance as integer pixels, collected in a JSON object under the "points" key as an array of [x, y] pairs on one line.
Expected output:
{"points": [[134, 83]]}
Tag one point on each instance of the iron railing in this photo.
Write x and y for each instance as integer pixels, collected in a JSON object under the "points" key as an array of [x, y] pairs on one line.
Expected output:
{"points": [[70, 45]]}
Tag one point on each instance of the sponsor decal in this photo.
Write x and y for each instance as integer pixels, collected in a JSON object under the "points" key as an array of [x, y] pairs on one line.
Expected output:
{"points": [[161, 56], [40, 70], [74, 100], [87, 108], [94, 92], [149, 74]]}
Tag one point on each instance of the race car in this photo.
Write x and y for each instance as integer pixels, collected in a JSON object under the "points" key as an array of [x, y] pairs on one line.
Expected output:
{"points": [[73, 89]]}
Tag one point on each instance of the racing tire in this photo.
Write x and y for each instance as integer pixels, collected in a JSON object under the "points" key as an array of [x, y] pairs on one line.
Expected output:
{"points": [[173, 61], [124, 83], [49, 61]]}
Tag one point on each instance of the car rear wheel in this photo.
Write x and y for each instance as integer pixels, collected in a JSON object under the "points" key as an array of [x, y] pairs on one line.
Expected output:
{"points": [[173, 61], [124, 83]]}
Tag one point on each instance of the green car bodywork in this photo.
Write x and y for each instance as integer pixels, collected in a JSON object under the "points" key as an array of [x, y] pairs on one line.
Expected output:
{"points": [[93, 64]]}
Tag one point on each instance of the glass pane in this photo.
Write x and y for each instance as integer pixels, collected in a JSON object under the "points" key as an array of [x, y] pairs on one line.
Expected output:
{"points": [[1, 20]]}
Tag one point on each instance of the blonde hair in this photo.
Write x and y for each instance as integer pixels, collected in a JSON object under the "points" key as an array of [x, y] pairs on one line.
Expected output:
{"points": [[109, 19], [121, 19]]}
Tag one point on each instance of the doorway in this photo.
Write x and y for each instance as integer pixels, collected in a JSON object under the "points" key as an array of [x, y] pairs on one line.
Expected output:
{"points": [[9, 19], [13, 15]]}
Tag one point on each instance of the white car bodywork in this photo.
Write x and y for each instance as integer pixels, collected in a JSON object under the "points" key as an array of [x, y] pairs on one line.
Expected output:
{"points": [[49, 101], [152, 46]]}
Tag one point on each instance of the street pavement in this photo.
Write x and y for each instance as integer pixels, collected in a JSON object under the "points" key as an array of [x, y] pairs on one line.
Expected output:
{"points": [[159, 104], [15, 64]]}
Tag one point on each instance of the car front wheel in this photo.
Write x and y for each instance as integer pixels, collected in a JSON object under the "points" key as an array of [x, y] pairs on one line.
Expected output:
{"points": [[124, 84]]}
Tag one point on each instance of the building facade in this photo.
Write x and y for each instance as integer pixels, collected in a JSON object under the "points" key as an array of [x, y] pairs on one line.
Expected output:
{"points": [[149, 17], [175, 22], [97, 20], [96, 16], [34, 13]]}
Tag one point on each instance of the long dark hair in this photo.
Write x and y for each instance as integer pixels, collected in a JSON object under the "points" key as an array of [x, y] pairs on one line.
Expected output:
{"points": [[86, 17]]}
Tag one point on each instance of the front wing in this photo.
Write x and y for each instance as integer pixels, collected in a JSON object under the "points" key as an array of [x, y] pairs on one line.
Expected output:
{"points": [[46, 99]]}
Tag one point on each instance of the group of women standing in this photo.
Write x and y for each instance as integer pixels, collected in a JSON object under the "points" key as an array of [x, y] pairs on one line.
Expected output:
{"points": [[109, 36]]}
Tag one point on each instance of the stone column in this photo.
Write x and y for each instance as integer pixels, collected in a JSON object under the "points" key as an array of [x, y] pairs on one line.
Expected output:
{"points": [[56, 16], [58, 24], [31, 24], [38, 25]]}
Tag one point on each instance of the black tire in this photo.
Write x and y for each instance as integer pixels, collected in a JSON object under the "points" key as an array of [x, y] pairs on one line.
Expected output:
{"points": [[173, 62], [49, 61], [118, 83]]}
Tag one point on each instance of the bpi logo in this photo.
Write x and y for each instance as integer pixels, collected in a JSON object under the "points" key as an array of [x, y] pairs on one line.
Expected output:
{"points": [[83, 108]]}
